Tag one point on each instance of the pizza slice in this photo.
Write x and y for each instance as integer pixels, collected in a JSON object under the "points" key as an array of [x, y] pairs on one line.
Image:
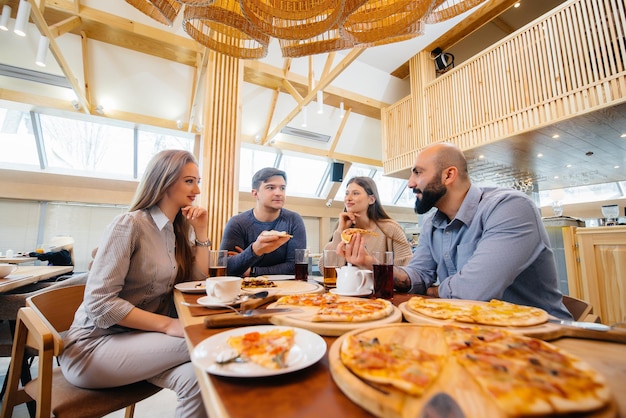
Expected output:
{"points": [[354, 310], [411, 370], [268, 349], [347, 234], [276, 233]]}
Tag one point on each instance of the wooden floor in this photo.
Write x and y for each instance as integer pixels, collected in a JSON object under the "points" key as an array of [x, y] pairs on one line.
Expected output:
{"points": [[161, 405]]}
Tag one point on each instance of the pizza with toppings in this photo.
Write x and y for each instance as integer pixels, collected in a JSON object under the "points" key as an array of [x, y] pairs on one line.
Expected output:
{"points": [[409, 369], [523, 376], [249, 283], [347, 234], [276, 233], [494, 312], [268, 349], [332, 308]]}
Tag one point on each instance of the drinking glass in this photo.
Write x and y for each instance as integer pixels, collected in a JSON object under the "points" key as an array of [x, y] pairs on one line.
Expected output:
{"points": [[218, 260], [331, 263], [302, 264], [383, 274]]}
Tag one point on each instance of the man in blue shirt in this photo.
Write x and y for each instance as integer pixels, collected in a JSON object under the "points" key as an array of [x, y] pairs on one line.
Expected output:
{"points": [[254, 253], [481, 243]]}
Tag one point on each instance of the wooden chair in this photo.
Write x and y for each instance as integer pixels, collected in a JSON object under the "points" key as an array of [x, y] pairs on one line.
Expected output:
{"points": [[38, 326], [580, 309]]}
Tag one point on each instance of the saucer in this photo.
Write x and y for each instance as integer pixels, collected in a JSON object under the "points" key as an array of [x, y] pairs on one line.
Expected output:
{"points": [[209, 302], [362, 293]]}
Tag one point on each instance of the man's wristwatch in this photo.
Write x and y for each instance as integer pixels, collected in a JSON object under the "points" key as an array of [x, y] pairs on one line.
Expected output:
{"points": [[206, 243]]}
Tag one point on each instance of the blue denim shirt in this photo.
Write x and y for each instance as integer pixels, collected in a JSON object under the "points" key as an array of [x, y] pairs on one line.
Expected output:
{"points": [[495, 248]]}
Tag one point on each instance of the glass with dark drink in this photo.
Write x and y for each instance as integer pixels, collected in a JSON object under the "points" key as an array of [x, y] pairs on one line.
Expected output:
{"points": [[217, 263], [383, 274], [330, 268], [302, 264]]}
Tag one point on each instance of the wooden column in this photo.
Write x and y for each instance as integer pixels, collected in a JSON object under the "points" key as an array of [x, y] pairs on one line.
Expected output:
{"points": [[221, 138]]}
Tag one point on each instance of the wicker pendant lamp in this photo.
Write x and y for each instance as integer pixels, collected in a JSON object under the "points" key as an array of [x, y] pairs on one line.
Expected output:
{"points": [[447, 9], [293, 19], [222, 27], [328, 41], [379, 20], [163, 11]]}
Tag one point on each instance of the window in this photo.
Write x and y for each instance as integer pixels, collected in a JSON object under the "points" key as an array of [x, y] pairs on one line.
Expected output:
{"points": [[252, 160], [17, 140]]}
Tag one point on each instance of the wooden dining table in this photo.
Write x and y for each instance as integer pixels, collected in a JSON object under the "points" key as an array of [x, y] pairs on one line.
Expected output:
{"points": [[25, 275], [18, 259], [311, 392]]}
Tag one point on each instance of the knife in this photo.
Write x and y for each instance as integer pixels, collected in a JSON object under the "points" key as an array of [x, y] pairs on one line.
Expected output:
{"points": [[248, 317], [578, 324]]}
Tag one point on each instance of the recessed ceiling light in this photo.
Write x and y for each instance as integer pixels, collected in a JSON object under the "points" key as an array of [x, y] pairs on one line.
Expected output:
{"points": [[539, 155], [622, 136], [556, 177], [616, 166], [481, 156], [555, 136], [516, 5], [569, 166]]}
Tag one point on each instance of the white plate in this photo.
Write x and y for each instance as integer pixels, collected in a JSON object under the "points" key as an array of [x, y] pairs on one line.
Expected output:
{"points": [[364, 293], [209, 302], [308, 349], [288, 287], [192, 287]]}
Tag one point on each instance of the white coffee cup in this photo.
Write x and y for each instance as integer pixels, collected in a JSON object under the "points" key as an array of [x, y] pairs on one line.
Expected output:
{"points": [[355, 282], [6, 269], [223, 289], [9, 254]]}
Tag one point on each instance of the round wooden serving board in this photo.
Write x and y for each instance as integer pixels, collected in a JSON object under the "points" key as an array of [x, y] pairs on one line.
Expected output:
{"points": [[330, 329], [386, 401]]}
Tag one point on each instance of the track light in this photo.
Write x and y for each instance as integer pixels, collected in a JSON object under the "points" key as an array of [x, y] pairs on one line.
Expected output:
{"points": [[23, 13], [179, 124], [42, 51], [342, 111], [4, 19], [320, 102], [304, 117]]}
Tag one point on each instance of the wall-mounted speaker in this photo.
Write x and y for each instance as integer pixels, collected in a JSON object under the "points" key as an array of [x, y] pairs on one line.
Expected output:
{"points": [[336, 173]]}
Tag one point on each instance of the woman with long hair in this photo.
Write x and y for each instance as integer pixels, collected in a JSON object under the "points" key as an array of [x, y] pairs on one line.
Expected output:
{"points": [[363, 210], [126, 329]]}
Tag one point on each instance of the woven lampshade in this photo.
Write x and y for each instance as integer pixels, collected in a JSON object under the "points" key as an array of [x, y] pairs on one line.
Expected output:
{"points": [[379, 20], [222, 27], [447, 9], [196, 2], [328, 41], [293, 19], [412, 32], [163, 11]]}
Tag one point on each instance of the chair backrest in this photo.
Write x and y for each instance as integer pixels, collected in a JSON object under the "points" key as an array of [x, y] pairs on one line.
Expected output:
{"points": [[577, 307], [57, 306]]}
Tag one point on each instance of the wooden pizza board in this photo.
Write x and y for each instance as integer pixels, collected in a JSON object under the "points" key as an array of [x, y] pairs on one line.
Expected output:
{"points": [[329, 329], [386, 401], [547, 331]]}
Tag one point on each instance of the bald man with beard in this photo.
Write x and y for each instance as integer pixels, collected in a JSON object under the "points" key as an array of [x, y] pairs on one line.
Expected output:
{"points": [[480, 243]]}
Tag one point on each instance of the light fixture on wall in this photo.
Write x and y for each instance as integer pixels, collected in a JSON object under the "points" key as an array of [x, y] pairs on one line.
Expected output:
{"points": [[304, 117], [4, 19], [75, 105], [179, 124], [342, 111], [320, 102], [23, 13], [100, 109], [42, 51]]}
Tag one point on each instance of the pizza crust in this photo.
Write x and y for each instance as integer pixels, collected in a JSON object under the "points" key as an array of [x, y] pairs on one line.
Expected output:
{"points": [[276, 233]]}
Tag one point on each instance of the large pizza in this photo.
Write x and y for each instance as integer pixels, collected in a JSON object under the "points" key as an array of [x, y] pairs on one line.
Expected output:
{"points": [[328, 307], [481, 367], [494, 312]]}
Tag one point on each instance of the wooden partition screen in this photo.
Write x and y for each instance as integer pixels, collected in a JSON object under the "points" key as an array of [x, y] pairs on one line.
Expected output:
{"points": [[570, 61], [220, 149]]}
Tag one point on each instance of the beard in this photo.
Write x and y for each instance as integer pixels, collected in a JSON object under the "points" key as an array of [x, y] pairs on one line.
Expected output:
{"points": [[430, 196]]}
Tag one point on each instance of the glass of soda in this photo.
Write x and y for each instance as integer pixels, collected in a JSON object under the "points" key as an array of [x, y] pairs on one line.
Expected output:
{"points": [[302, 264], [383, 274]]}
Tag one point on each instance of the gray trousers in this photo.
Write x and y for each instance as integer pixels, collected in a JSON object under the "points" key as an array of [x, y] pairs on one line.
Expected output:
{"points": [[121, 359]]}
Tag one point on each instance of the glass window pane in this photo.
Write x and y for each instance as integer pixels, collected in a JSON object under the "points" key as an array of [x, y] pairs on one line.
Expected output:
{"points": [[75, 145], [150, 143], [17, 141], [252, 160], [304, 174], [388, 187], [581, 194]]}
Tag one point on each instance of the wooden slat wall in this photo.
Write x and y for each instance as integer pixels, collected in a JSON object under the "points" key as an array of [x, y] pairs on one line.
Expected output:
{"points": [[222, 135], [568, 62]]}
